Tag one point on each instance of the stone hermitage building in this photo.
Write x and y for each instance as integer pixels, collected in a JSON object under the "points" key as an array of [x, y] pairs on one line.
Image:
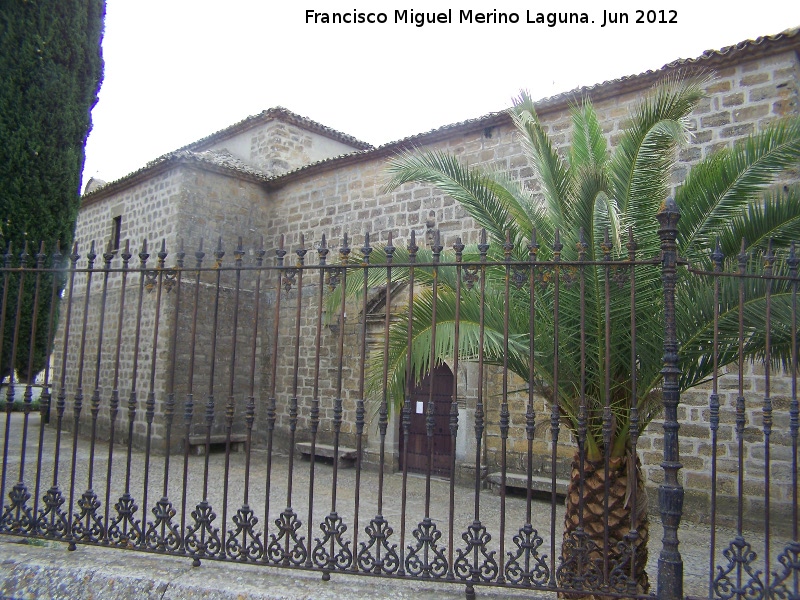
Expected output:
{"points": [[277, 173]]}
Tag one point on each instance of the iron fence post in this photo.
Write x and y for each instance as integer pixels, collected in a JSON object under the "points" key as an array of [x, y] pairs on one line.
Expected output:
{"points": [[670, 492]]}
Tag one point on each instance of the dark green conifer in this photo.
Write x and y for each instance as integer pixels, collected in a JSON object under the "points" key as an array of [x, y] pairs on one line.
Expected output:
{"points": [[51, 65]]}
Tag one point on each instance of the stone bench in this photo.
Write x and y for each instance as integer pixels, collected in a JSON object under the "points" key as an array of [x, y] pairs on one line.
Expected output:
{"points": [[347, 456], [198, 442], [541, 485]]}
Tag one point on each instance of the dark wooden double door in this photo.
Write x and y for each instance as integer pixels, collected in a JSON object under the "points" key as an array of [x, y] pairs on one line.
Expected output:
{"points": [[417, 457]]}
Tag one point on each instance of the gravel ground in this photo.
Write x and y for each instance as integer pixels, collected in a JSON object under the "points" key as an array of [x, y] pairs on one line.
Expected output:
{"points": [[210, 474]]}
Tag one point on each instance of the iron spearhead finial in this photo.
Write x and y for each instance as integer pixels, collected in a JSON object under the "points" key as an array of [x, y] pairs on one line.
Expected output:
{"points": [[717, 256]]}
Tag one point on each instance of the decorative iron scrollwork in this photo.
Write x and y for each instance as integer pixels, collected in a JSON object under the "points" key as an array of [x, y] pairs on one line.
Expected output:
{"points": [[333, 277], [202, 538], [544, 276], [17, 517], [620, 274], [124, 530], [582, 569], [525, 565], [471, 275], [287, 548], [519, 278], [569, 275], [333, 551], [289, 276], [384, 560], [789, 559], [170, 279], [250, 548], [622, 566], [426, 558], [741, 558], [150, 279], [162, 534], [51, 522], [87, 525], [482, 565]]}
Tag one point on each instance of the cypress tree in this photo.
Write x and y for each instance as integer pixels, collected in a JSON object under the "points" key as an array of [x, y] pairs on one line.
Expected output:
{"points": [[51, 68]]}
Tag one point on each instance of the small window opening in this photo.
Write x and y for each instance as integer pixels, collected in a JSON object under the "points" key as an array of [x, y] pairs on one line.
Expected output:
{"points": [[116, 232]]}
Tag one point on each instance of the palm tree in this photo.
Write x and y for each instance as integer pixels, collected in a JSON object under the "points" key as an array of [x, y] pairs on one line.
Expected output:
{"points": [[588, 203]]}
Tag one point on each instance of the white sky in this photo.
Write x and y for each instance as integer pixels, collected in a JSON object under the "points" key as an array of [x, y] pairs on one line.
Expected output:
{"points": [[178, 70]]}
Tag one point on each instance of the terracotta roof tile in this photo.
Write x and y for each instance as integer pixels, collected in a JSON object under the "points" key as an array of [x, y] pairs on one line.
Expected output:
{"points": [[196, 152], [709, 59], [214, 158], [280, 113]]}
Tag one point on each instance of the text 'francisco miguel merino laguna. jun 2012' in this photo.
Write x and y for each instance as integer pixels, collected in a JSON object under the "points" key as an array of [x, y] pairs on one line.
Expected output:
{"points": [[493, 17]]}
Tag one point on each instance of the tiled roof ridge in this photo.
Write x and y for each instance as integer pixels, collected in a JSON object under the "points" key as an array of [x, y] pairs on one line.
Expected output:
{"points": [[761, 45], [213, 160], [597, 91], [705, 60], [276, 112], [216, 158]]}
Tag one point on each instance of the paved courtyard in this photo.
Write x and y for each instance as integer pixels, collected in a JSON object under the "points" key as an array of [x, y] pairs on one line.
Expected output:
{"points": [[103, 565]]}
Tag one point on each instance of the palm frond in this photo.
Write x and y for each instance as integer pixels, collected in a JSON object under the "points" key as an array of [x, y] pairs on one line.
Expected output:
{"points": [[423, 329], [594, 210], [643, 159], [774, 217], [695, 316], [651, 176], [717, 190], [589, 147], [545, 160], [528, 212], [478, 192]]}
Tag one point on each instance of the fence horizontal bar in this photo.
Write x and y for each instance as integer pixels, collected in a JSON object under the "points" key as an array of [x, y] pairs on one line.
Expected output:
{"points": [[432, 378]]}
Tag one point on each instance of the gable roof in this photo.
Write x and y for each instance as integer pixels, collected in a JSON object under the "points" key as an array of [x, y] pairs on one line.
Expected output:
{"points": [[221, 159], [278, 113], [709, 60], [197, 154]]}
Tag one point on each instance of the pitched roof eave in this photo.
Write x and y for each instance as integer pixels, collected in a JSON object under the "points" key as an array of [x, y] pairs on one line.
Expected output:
{"points": [[281, 114], [166, 163], [708, 61], [785, 41]]}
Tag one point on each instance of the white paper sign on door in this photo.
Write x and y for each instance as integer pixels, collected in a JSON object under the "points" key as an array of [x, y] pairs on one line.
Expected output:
{"points": [[420, 408]]}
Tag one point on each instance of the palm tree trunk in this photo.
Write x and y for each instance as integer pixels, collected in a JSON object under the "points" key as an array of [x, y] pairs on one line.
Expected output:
{"points": [[584, 551]]}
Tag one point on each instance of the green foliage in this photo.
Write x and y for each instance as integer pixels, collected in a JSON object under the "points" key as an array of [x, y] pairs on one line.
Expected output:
{"points": [[590, 202], [52, 69]]}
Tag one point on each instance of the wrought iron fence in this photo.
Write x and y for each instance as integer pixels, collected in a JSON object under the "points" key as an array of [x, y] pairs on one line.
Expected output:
{"points": [[283, 368], [754, 566]]}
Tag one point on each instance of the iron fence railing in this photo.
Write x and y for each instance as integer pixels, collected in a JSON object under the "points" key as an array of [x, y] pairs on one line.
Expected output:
{"points": [[287, 358], [754, 566]]}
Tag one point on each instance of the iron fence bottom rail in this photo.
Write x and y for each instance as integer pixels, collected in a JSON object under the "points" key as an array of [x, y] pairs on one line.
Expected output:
{"points": [[221, 354]]}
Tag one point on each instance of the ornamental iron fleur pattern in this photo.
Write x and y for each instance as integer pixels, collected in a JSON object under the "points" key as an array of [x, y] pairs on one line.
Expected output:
{"points": [[283, 365]]}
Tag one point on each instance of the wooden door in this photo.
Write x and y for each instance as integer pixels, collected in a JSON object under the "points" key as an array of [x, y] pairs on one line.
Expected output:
{"points": [[442, 380]]}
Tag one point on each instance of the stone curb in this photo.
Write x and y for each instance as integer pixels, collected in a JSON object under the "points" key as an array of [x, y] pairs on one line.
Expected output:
{"points": [[50, 571]]}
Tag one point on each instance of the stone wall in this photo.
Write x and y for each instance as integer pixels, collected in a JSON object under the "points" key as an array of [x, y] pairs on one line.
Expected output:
{"points": [[345, 196], [276, 147], [697, 449], [742, 99], [213, 206], [149, 213], [295, 365], [183, 205]]}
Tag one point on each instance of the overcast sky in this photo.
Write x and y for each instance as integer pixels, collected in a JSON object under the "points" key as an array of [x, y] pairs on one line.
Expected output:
{"points": [[178, 70]]}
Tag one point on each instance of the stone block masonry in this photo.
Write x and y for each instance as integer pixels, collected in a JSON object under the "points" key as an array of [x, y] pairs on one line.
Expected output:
{"points": [[751, 88], [165, 208], [743, 99]]}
